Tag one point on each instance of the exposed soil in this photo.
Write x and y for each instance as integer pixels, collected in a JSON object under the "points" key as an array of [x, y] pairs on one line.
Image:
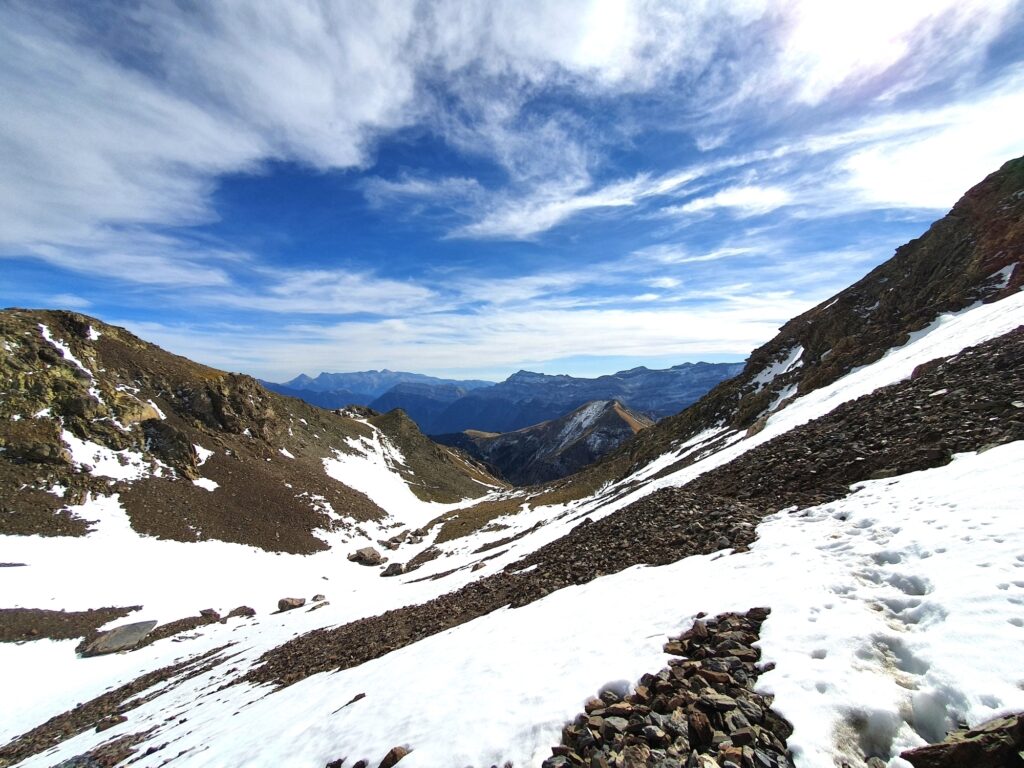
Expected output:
{"points": [[21, 624]]}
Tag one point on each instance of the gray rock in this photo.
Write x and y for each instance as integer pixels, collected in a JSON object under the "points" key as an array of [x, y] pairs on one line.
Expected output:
{"points": [[122, 638], [290, 603], [395, 569], [367, 556]]}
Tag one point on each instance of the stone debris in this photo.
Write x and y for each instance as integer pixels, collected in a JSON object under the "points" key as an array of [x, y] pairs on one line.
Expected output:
{"points": [[290, 603], [122, 638], [701, 711]]}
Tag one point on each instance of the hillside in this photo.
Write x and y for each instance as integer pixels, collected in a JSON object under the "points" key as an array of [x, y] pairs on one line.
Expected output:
{"points": [[819, 563], [552, 449], [193, 453]]}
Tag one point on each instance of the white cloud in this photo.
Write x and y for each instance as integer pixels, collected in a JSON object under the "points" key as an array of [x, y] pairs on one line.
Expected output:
{"points": [[960, 146], [664, 282], [498, 339], [743, 201]]}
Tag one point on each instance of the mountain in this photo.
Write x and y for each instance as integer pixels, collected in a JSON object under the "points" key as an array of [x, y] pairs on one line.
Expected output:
{"points": [[336, 390], [330, 399], [818, 563], [424, 402], [192, 453], [442, 406], [552, 449], [528, 398]]}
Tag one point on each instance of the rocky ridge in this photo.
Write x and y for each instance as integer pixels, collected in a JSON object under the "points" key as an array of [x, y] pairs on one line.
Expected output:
{"points": [[973, 254]]}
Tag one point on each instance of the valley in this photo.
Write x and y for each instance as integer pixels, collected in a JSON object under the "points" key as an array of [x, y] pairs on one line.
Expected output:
{"points": [[812, 553]]}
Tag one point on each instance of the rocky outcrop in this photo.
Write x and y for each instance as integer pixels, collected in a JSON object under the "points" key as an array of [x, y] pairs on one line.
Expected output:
{"points": [[701, 710], [556, 448], [290, 603]]}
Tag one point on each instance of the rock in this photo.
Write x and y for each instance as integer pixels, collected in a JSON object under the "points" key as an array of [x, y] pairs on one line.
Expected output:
{"points": [[717, 701], [336, 763], [367, 556], [393, 756], [319, 598], [636, 756], [122, 638], [109, 722], [394, 569], [290, 603], [991, 745], [556, 761], [701, 731], [210, 613], [242, 610]]}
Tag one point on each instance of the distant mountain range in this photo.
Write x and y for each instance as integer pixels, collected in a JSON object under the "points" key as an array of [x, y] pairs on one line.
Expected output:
{"points": [[336, 390], [443, 406], [555, 448]]}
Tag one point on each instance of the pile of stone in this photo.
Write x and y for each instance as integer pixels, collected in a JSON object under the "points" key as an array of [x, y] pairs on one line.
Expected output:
{"points": [[701, 711]]}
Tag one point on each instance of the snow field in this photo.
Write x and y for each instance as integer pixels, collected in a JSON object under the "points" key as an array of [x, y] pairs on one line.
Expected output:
{"points": [[880, 602]]}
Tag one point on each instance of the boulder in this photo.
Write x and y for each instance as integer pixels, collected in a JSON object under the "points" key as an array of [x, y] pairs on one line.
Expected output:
{"points": [[289, 603], [393, 756], [991, 745], [367, 556], [395, 569], [122, 638]]}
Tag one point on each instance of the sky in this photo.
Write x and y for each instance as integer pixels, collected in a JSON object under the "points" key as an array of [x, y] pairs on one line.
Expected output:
{"points": [[470, 188]]}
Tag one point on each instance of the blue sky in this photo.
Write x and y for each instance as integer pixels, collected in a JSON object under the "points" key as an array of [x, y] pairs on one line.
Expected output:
{"points": [[469, 188]]}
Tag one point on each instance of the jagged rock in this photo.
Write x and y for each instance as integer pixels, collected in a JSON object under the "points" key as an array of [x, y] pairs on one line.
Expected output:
{"points": [[242, 610], [393, 756], [210, 613], [394, 569], [366, 556], [122, 638], [290, 603], [994, 744], [319, 598]]}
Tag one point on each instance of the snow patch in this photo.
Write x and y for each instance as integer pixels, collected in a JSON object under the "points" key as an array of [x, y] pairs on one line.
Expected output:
{"points": [[205, 482], [202, 453], [286, 453], [101, 461], [789, 362]]}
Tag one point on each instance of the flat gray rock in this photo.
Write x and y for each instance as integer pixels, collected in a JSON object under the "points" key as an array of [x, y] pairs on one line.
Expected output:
{"points": [[121, 638]]}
